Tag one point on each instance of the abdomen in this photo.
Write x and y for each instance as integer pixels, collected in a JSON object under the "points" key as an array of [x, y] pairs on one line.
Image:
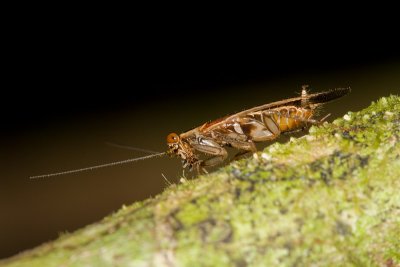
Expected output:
{"points": [[290, 118]]}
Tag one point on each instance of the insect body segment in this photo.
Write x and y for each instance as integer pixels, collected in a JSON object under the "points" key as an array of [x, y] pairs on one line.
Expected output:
{"points": [[242, 130]]}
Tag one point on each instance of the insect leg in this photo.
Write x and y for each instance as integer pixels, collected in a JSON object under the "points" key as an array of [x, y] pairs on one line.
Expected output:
{"points": [[244, 148], [238, 141], [324, 118], [210, 147], [294, 131]]}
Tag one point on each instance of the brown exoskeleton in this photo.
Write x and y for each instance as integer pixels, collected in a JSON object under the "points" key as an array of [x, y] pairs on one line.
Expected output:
{"points": [[241, 131]]}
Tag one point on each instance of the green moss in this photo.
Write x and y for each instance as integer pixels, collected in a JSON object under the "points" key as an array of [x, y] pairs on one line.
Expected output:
{"points": [[329, 198]]}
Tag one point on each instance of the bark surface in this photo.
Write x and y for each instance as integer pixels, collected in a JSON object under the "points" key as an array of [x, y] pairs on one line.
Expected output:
{"points": [[329, 198]]}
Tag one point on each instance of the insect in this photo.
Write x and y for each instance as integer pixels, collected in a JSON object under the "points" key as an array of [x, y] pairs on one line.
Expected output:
{"points": [[240, 131]]}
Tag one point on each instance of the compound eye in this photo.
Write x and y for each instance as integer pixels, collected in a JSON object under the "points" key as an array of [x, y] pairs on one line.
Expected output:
{"points": [[172, 138]]}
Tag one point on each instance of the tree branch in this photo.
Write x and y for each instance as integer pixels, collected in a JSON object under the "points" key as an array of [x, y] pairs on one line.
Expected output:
{"points": [[330, 198]]}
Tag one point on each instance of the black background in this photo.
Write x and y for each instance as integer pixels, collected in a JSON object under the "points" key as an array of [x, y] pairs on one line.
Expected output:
{"points": [[65, 68]]}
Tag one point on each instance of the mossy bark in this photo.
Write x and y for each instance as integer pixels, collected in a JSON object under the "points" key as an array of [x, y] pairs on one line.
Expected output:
{"points": [[330, 198]]}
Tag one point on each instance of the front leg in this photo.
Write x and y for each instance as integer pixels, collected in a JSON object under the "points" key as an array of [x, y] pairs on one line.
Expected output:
{"points": [[210, 147]]}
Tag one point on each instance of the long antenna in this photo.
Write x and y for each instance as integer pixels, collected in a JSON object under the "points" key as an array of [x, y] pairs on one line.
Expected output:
{"points": [[132, 148], [98, 166]]}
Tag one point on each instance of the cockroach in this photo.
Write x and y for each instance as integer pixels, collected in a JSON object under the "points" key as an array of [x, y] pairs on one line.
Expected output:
{"points": [[240, 131]]}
